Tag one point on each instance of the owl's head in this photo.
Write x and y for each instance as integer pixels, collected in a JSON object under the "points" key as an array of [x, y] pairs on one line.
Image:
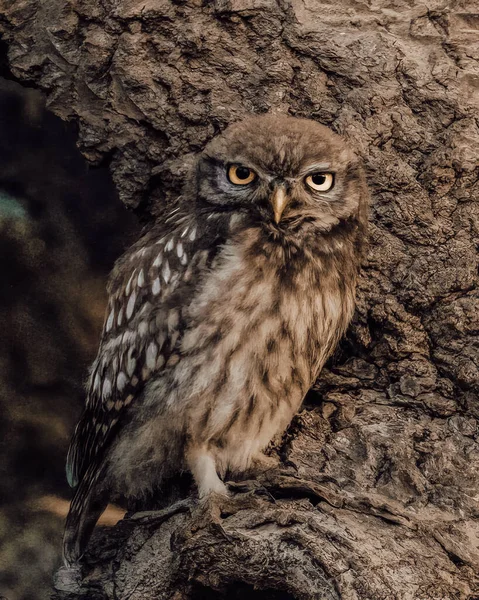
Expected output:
{"points": [[286, 174]]}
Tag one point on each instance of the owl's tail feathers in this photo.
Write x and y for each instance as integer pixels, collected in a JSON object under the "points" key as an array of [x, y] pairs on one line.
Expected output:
{"points": [[89, 502]]}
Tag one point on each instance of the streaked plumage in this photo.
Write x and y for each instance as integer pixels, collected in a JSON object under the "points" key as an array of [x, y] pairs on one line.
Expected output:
{"points": [[221, 317]]}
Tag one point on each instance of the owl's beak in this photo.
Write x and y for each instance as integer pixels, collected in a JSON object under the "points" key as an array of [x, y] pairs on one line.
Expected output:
{"points": [[279, 200]]}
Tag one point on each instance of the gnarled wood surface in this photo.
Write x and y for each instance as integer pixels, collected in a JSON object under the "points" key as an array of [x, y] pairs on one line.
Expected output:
{"points": [[378, 497]]}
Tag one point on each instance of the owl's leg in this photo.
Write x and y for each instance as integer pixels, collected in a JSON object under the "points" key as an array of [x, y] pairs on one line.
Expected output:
{"points": [[202, 465]]}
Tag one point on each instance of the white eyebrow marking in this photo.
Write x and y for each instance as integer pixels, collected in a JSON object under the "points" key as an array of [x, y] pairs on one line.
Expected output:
{"points": [[319, 166]]}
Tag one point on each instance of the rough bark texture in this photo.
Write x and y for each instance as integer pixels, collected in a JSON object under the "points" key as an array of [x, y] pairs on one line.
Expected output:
{"points": [[378, 496]]}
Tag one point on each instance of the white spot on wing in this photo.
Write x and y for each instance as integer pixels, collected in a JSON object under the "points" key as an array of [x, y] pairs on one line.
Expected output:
{"points": [[131, 305], [170, 244], [193, 234], [185, 231], [109, 323], [179, 249], [128, 337], [158, 260], [143, 328], [128, 285], [96, 383], [121, 381], [166, 272], [151, 354], [130, 364], [141, 279], [184, 259], [120, 316], [106, 390], [155, 288]]}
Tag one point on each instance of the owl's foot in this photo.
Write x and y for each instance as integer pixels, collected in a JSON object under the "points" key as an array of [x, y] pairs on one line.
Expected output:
{"points": [[250, 486], [209, 512], [212, 487], [202, 466], [159, 516]]}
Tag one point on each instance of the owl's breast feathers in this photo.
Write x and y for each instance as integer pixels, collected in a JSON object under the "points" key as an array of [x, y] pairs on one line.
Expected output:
{"points": [[260, 328], [226, 335]]}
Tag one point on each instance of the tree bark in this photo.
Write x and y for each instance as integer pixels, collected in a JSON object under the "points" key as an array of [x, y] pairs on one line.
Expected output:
{"points": [[378, 494]]}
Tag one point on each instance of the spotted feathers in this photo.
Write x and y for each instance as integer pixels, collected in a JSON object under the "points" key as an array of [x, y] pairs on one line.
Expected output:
{"points": [[139, 336]]}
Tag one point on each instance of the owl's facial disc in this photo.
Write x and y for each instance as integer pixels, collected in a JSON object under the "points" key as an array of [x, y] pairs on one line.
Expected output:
{"points": [[289, 176]]}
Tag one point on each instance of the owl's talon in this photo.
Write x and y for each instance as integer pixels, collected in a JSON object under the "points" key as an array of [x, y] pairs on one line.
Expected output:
{"points": [[209, 509], [249, 486], [243, 487]]}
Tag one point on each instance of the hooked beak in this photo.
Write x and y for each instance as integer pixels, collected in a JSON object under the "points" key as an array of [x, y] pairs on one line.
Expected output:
{"points": [[279, 201]]}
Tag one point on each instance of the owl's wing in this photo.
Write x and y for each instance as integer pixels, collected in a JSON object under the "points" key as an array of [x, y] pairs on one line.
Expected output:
{"points": [[143, 325]]}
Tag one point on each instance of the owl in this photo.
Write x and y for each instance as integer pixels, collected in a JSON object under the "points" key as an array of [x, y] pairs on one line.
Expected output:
{"points": [[221, 316]]}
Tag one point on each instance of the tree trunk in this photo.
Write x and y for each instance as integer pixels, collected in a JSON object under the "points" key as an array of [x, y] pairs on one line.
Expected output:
{"points": [[378, 494]]}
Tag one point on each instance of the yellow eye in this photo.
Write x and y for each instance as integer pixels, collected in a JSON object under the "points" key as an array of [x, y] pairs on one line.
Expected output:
{"points": [[320, 182], [240, 175]]}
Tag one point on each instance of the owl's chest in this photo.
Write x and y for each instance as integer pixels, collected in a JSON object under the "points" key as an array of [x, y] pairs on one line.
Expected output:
{"points": [[263, 316]]}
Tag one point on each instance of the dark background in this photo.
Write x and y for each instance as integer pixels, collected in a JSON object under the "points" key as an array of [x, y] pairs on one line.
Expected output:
{"points": [[61, 228]]}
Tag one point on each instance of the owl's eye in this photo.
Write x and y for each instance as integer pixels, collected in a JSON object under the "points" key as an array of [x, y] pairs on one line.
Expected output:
{"points": [[240, 175], [320, 182]]}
